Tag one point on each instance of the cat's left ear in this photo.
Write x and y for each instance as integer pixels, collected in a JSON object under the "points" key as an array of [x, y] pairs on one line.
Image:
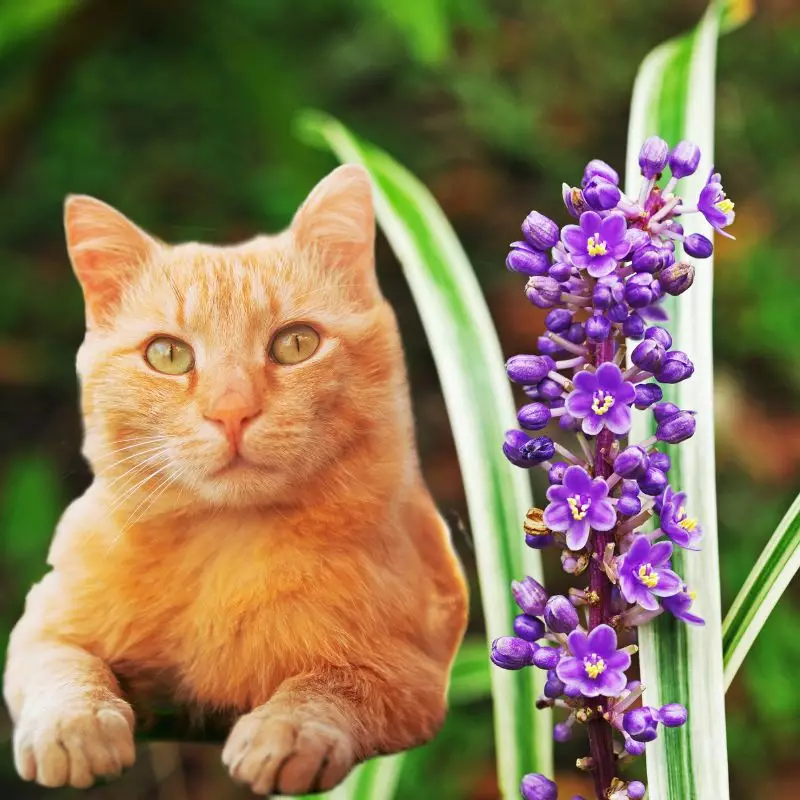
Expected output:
{"points": [[338, 219]]}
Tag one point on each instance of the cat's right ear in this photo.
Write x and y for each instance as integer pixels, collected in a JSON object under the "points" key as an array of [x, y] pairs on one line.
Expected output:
{"points": [[106, 250]]}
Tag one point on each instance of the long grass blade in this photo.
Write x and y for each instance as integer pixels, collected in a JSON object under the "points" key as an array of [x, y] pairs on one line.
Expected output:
{"points": [[479, 402], [778, 563], [674, 98]]}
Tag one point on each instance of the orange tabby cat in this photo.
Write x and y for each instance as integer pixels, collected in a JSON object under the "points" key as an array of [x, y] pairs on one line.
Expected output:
{"points": [[258, 541]]}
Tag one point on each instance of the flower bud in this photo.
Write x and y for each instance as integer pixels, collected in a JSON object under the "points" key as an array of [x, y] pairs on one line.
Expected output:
{"points": [[539, 449], [546, 346], [698, 245], [534, 416], [601, 297], [633, 327], [676, 428], [562, 732], [629, 487], [509, 652], [568, 423], [576, 333], [529, 369], [660, 335], [600, 194], [631, 462], [553, 687], [546, 657], [598, 168], [676, 367], [529, 628], [618, 312], [543, 292], [574, 563], [558, 320], [560, 615], [636, 790], [549, 389], [629, 505], [539, 542], [511, 447], [556, 473], [653, 482], [641, 290], [524, 259], [648, 259], [540, 231], [597, 328], [683, 159], [663, 410], [530, 596], [660, 461], [647, 355], [574, 200], [673, 715], [536, 787], [653, 156], [647, 394], [633, 747], [560, 271], [677, 278], [640, 723]]}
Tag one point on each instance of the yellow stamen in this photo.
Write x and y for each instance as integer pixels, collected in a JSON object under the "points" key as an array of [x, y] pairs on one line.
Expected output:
{"points": [[692, 594], [689, 524], [597, 408], [725, 206], [578, 511], [594, 666], [648, 576], [596, 247]]}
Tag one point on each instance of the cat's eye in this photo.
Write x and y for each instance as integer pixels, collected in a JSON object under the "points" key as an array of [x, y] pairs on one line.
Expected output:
{"points": [[294, 344], [170, 356]]}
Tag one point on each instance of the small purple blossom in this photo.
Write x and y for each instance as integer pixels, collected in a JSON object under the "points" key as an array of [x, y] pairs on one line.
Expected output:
{"points": [[645, 574], [685, 531], [714, 204], [597, 243], [578, 504], [602, 400], [679, 606], [596, 667]]}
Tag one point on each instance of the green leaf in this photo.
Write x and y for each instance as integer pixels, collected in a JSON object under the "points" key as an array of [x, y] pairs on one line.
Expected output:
{"points": [[673, 97], [479, 402], [774, 570]]}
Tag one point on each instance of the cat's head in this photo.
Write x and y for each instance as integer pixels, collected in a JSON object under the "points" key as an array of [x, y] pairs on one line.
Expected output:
{"points": [[234, 375]]}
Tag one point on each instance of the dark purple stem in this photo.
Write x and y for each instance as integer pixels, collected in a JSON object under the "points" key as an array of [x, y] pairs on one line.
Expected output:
{"points": [[600, 741]]}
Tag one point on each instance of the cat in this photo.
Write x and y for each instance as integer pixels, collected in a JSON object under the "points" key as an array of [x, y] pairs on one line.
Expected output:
{"points": [[258, 542]]}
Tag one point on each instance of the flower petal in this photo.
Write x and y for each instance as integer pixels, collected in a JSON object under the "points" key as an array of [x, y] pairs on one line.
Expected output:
{"points": [[578, 534], [558, 492], [578, 403], [612, 229], [603, 641], [590, 222], [618, 419], [611, 683], [578, 644], [619, 661], [585, 381], [557, 517], [659, 553], [602, 515], [609, 377], [638, 553], [669, 583], [626, 393], [647, 601], [577, 480], [592, 424], [600, 266], [570, 670]]}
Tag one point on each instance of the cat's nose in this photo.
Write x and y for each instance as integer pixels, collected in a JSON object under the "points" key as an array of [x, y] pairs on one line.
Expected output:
{"points": [[233, 411]]}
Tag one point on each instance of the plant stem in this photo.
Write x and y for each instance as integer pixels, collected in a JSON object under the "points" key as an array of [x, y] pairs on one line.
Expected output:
{"points": [[600, 740]]}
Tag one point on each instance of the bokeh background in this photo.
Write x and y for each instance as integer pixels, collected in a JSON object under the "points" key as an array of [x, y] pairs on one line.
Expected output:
{"points": [[181, 113]]}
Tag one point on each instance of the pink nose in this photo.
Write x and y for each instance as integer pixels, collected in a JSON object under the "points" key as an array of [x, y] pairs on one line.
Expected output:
{"points": [[233, 411]]}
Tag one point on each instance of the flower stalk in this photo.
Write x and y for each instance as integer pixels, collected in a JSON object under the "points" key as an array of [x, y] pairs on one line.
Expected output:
{"points": [[603, 281]]}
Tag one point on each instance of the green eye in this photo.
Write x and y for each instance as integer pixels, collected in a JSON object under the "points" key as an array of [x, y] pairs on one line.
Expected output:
{"points": [[293, 344], [170, 356]]}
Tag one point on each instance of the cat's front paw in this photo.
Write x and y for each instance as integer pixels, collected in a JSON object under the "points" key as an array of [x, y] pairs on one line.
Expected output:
{"points": [[73, 742], [288, 751]]}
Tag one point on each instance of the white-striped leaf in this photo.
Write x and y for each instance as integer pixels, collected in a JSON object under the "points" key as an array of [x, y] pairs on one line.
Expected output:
{"points": [[775, 568], [480, 406], [673, 97]]}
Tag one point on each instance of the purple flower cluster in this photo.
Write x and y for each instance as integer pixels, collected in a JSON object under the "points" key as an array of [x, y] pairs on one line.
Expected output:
{"points": [[603, 281]]}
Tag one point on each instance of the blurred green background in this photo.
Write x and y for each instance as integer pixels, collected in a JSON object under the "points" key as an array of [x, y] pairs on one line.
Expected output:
{"points": [[180, 113]]}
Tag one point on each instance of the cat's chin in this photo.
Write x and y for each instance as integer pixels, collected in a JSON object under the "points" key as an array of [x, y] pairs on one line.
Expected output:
{"points": [[240, 481]]}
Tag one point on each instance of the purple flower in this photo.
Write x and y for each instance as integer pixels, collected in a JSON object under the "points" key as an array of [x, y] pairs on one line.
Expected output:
{"points": [[679, 604], [578, 504], [597, 244], [714, 204], [596, 667], [644, 574], [536, 787], [602, 400], [527, 260], [684, 531]]}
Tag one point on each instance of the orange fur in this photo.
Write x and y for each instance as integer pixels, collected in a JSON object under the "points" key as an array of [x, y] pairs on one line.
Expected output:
{"points": [[309, 587]]}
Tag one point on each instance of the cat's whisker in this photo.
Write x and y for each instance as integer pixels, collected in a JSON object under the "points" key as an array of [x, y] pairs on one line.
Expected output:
{"points": [[137, 467], [143, 443], [145, 506], [121, 500], [137, 454]]}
